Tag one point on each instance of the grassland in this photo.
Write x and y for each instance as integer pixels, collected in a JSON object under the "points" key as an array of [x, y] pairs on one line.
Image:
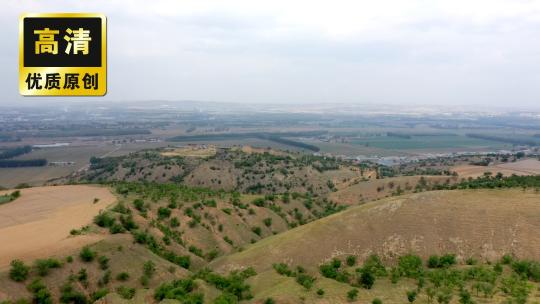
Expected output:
{"points": [[425, 223]]}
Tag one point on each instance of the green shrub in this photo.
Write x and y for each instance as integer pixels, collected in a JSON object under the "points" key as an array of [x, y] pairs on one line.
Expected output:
{"points": [[352, 294], [212, 254], [259, 202], [196, 251], [283, 269], [149, 269], [87, 254], [267, 221], [121, 208], [366, 279], [145, 281], [127, 222], [103, 262], [410, 265], [122, 276], [104, 219], [125, 292], [43, 265], [374, 265], [68, 294], [465, 297], [174, 222], [411, 295], [433, 262], [210, 203], [305, 280], [98, 294], [447, 260], [351, 260], [376, 301], [328, 271], [163, 213], [226, 298], [139, 205], [105, 279], [257, 230], [39, 291], [320, 292], [181, 290], [507, 259], [19, 271], [116, 228]]}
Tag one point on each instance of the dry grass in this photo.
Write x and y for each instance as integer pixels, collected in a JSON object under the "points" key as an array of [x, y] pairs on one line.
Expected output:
{"points": [[483, 223], [529, 166], [364, 191], [201, 151]]}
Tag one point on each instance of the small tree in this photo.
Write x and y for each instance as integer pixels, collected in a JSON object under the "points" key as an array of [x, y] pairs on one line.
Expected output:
{"points": [[367, 279]]}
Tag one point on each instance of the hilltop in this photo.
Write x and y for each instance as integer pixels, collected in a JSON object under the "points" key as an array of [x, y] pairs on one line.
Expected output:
{"points": [[246, 170]]}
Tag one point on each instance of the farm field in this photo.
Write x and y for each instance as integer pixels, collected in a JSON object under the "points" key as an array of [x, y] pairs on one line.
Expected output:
{"points": [[426, 143], [529, 166], [38, 223], [79, 154]]}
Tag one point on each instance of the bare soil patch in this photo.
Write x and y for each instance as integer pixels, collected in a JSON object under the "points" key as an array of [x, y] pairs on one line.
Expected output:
{"points": [[38, 224]]}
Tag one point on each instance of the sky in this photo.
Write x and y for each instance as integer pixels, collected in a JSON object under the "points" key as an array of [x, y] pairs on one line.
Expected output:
{"points": [[433, 52]]}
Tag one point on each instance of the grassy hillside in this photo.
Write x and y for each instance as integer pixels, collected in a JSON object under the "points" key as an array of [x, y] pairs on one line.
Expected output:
{"points": [[193, 245], [485, 224], [228, 169], [478, 227]]}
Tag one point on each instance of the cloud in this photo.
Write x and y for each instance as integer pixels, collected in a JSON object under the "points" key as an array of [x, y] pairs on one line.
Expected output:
{"points": [[391, 51]]}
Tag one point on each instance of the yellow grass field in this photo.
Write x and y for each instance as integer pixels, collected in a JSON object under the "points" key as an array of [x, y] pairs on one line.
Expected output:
{"points": [[191, 151], [485, 224], [38, 224]]}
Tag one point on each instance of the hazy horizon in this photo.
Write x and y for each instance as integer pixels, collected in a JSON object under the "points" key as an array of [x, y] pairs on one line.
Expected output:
{"points": [[452, 53]]}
